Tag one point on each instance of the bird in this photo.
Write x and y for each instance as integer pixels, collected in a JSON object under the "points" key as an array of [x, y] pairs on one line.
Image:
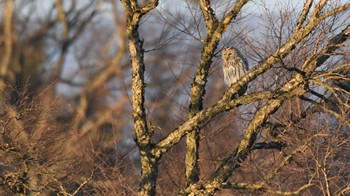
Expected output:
{"points": [[234, 66]]}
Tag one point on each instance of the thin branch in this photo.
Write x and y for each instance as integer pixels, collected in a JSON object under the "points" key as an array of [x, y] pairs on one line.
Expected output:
{"points": [[85, 182], [257, 187], [269, 145], [327, 110], [331, 89], [327, 51], [334, 11]]}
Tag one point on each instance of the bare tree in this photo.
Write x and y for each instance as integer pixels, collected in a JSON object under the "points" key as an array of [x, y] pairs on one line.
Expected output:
{"points": [[298, 84]]}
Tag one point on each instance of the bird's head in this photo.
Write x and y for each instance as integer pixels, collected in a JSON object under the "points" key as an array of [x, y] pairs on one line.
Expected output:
{"points": [[228, 53]]}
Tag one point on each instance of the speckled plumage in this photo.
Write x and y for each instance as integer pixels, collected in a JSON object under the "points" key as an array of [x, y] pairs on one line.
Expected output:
{"points": [[234, 66]]}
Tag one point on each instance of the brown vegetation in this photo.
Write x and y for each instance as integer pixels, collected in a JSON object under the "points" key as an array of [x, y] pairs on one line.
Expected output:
{"points": [[127, 97]]}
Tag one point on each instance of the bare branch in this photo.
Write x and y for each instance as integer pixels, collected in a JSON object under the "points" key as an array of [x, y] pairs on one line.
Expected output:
{"points": [[215, 29], [206, 114], [327, 110], [143, 135], [233, 13], [256, 186], [304, 13], [150, 6], [334, 11], [208, 14], [332, 45], [269, 145]]}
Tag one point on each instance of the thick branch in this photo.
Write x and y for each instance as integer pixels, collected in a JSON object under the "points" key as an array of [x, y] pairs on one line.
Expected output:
{"points": [[150, 6], [133, 16], [204, 115], [233, 13], [215, 30], [208, 15], [304, 13], [149, 163]]}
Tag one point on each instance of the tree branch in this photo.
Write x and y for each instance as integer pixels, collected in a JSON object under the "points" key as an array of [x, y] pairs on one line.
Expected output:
{"points": [[304, 13], [208, 15], [149, 163], [215, 30], [269, 145], [204, 115]]}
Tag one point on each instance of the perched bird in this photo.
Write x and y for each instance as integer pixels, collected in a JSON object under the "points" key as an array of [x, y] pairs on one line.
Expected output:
{"points": [[234, 66]]}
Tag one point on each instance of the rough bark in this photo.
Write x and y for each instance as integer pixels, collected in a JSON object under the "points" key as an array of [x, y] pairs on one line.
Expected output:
{"points": [[149, 163], [215, 29]]}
